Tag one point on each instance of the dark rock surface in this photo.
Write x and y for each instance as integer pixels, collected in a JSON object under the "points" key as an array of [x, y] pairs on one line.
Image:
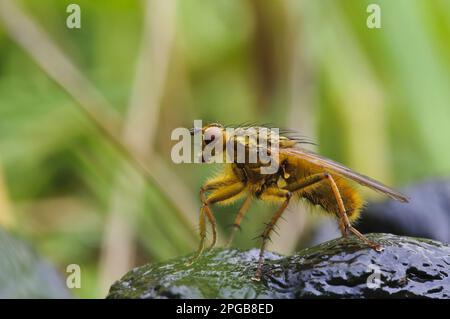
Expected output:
{"points": [[407, 268], [426, 215], [24, 274]]}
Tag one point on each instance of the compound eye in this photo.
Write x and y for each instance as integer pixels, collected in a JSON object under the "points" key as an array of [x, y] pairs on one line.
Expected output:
{"points": [[213, 133]]}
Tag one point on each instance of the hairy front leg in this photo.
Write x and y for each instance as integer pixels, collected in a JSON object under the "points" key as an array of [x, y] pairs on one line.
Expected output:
{"points": [[221, 193]]}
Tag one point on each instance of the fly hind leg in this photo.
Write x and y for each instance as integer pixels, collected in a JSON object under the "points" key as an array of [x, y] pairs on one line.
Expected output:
{"points": [[344, 223], [344, 218]]}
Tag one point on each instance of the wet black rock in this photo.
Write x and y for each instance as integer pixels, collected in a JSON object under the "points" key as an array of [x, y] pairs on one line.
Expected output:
{"points": [[426, 215], [25, 274], [407, 268]]}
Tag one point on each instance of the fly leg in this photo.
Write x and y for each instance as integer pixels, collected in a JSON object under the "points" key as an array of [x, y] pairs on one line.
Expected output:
{"points": [[237, 221], [285, 192], [310, 181], [221, 193], [207, 211], [344, 223], [344, 218], [202, 230], [269, 227]]}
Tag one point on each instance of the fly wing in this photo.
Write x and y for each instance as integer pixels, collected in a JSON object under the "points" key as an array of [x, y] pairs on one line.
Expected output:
{"points": [[340, 169]]}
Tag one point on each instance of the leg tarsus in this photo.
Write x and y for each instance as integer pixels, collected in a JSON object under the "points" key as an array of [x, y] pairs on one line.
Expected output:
{"points": [[371, 244], [344, 218], [266, 233], [202, 227], [343, 229], [234, 230], [198, 253], [212, 222], [237, 221]]}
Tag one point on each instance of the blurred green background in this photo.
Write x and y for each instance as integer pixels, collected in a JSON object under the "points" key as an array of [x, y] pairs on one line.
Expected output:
{"points": [[376, 100]]}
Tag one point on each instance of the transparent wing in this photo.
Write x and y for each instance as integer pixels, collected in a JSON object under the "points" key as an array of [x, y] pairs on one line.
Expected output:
{"points": [[346, 172]]}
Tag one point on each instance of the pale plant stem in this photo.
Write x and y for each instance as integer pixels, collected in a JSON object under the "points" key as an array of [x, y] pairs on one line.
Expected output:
{"points": [[25, 31], [6, 217], [138, 134], [29, 35]]}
